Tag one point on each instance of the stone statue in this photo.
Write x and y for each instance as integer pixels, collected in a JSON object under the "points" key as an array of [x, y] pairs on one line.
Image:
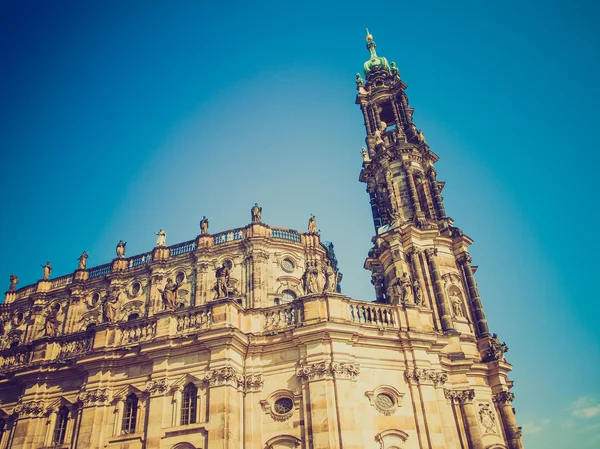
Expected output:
{"points": [[121, 249], [312, 225], [82, 261], [52, 323], [162, 238], [222, 281], [204, 226], [496, 350], [405, 288], [47, 270], [456, 304], [109, 308], [359, 80], [14, 280], [256, 213], [365, 155], [394, 68], [310, 279], [169, 294], [420, 136], [330, 285], [418, 293]]}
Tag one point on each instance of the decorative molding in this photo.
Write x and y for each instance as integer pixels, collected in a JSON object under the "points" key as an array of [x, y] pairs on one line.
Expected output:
{"points": [[30, 409], [281, 404], [464, 258], [430, 253], [224, 376], [93, 397], [322, 370], [156, 386], [426, 376], [504, 397], [253, 382], [460, 396]]}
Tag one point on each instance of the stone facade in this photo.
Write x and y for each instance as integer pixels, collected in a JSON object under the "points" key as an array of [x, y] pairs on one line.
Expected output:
{"points": [[242, 339]]}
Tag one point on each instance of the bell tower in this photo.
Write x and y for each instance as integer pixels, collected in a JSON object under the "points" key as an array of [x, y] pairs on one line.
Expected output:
{"points": [[419, 260]]}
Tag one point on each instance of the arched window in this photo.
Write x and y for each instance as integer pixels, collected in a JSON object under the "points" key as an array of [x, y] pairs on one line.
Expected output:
{"points": [[133, 316], [188, 404], [287, 296], [129, 414], [60, 429]]}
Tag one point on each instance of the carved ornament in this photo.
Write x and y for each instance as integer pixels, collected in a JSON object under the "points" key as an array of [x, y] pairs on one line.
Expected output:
{"points": [[504, 397], [487, 418], [426, 376], [93, 397], [156, 386], [30, 409], [323, 370], [460, 396]]}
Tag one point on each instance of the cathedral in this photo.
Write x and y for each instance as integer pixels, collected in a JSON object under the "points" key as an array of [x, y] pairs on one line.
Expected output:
{"points": [[242, 338]]}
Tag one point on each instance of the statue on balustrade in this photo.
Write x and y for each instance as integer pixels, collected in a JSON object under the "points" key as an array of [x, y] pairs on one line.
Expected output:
{"points": [[310, 279], [405, 285], [418, 293], [14, 280], [47, 270], [312, 225], [496, 350], [204, 226], [222, 281], [162, 238], [52, 323], [169, 294], [121, 249], [109, 307], [456, 304], [365, 156], [82, 261], [256, 212], [330, 285]]}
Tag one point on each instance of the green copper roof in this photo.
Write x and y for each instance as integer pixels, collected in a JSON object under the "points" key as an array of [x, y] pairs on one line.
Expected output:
{"points": [[376, 63]]}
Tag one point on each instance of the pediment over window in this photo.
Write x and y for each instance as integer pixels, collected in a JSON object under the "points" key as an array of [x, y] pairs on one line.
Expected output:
{"points": [[184, 380], [126, 391]]}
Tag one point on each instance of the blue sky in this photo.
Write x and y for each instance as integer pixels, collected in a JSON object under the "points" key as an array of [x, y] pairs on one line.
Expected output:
{"points": [[117, 119]]}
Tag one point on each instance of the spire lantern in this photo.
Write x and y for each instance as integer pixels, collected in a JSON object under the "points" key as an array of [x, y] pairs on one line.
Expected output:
{"points": [[375, 63]]}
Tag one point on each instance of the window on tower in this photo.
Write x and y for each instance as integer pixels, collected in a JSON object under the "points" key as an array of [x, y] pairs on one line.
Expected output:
{"points": [[129, 414], [189, 404], [60, 430]]}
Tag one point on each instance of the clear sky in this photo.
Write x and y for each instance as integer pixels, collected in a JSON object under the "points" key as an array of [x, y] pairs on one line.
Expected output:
{"points": [[117, 118]]}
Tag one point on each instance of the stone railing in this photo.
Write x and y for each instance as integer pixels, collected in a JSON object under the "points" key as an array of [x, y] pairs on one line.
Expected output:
{"points": [[286, 234], [140, 259], [194, 319], [13, 359], [63, 280], [183, 248], [132, 333], [100, 270], [26, 291], [74, 347], [285, 315], [373, 314], [229, 236]]}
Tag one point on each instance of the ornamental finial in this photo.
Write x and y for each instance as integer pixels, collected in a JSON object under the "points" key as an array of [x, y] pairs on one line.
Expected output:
{"points": [[369, 36]]}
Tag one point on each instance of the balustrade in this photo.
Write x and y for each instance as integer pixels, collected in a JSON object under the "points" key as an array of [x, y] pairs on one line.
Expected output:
{"points": [[229, 236], [283, 316], [183, 248], [73, 347], [138, 332], [194, 320], [11, 359], [100, 270], [63, 280], [286, 234], [375, 315], [140, 259], [26, 291]]}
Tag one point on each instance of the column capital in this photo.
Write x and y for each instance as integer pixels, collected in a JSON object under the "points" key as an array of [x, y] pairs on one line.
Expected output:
{"points": [[460, 396], [430, 253], [464, 258], [426, 376], [504, 397]]}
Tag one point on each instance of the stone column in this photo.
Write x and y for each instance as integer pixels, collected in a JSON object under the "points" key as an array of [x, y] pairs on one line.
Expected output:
{"points": [[465, 399], [438, 290], [225, 399], [503, 401], [414, 197], [437, 196], [365, 112], [464, 261], [413, 259]]}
